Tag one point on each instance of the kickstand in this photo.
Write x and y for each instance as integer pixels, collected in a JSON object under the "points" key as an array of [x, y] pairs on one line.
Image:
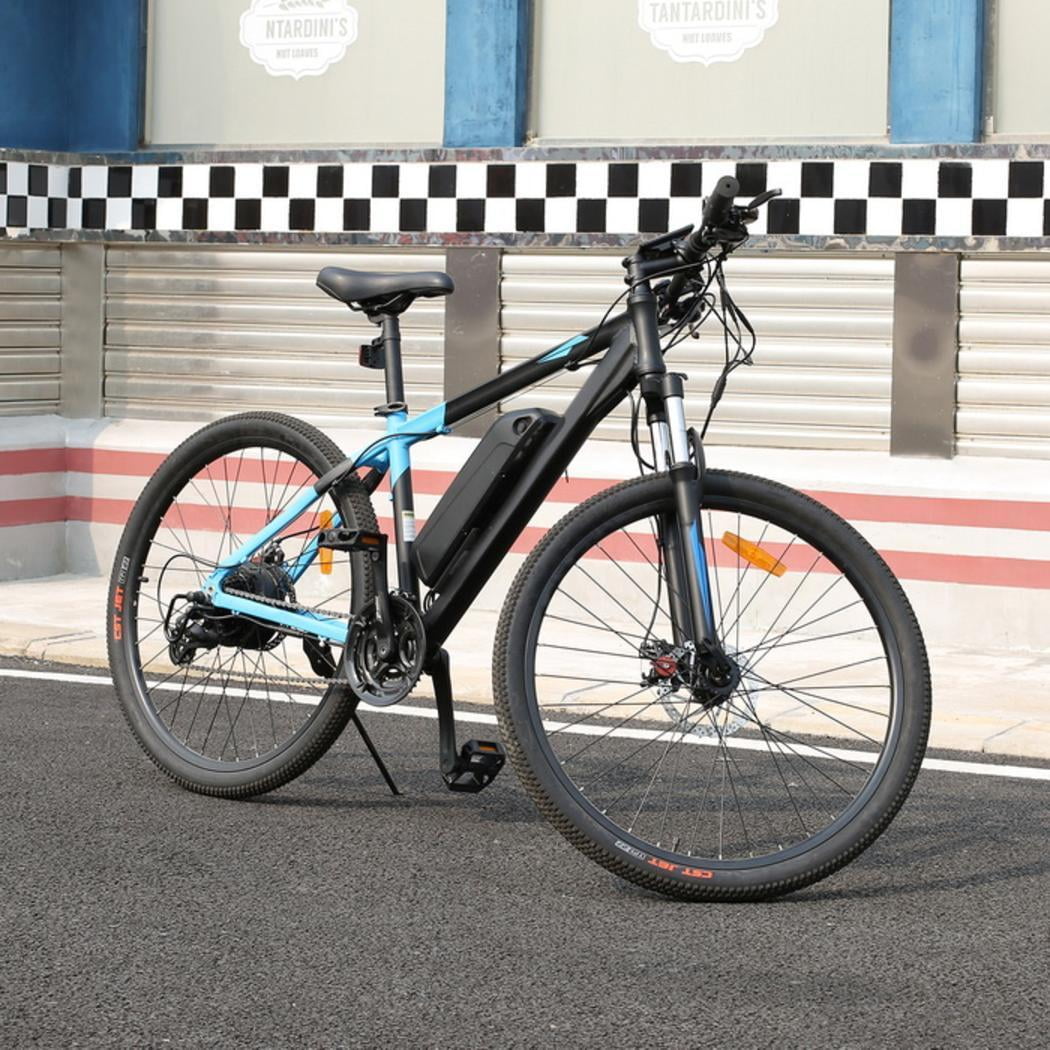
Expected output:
{"points": [[359, 726]]}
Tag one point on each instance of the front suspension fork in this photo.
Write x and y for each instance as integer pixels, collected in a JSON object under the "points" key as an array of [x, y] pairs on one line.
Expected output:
{"points": [[681, 534]]}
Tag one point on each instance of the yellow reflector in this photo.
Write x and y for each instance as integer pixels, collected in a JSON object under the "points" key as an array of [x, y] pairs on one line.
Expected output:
{"points": [[753, 553], [326, 553]]}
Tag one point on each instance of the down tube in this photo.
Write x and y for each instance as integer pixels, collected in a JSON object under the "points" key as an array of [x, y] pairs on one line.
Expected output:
{"points": [[612, 378]]}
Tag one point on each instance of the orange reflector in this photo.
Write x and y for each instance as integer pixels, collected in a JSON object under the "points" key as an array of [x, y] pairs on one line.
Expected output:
{"points": [[753, 553], [326, 553]]}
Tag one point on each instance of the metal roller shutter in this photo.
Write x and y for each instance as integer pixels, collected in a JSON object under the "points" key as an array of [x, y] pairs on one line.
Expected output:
{"points": [[30, 329], [825, 327], [195, 333], [1004, 358]]}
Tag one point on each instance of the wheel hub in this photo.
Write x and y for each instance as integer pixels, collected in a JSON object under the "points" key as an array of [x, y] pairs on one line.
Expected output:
{"points": [[691, 682], [200, 625]]}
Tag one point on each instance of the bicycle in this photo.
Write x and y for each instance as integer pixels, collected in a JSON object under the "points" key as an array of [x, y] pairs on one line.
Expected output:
{"points": [[707, 682]]}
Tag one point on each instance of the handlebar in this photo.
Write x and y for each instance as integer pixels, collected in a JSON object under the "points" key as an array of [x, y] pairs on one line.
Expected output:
{"points": [[719, 212], [716, 210]]}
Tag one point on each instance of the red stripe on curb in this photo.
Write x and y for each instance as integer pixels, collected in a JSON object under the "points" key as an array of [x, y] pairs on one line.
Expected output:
{"points": [[938, 510], [32, 511], [1020, 573], [1024, 515], [33, 461]]}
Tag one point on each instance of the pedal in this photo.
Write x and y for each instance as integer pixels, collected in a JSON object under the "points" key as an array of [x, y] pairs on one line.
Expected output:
{"points": [[477, 766], [339, 539]]}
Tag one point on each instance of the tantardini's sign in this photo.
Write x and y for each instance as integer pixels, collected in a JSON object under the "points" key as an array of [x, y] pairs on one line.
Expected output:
{"points": [[706, 30], [298, 38]]}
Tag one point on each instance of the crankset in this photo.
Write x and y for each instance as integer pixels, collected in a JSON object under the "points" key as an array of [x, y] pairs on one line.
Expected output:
{"points": [[379, 678]]}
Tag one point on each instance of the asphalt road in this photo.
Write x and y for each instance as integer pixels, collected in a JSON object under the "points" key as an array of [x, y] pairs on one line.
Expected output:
{"points": [[332, 914]]}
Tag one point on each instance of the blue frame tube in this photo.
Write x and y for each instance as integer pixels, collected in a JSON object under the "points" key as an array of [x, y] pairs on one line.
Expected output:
{"points": [[388, 453]]}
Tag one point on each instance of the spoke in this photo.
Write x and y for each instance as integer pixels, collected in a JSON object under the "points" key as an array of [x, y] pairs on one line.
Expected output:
{"points": [[655, 767], [809, 639], [612, 729], [787, 755], [580, 678], [589, 652], [592, 714], [674, 775], [791, 596], [773, 756], [827, 590], [623, 636], [639, 587], [758, 590], [771, 688], [727, 759], [594, 615], [831, 670], [785, 736], [612, 597], [809, 623]]}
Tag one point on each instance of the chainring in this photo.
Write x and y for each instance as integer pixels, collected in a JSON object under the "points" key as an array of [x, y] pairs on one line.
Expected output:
{"points": [[383, 682]]}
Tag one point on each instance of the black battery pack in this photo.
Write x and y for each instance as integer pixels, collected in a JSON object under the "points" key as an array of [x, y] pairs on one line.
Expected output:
{"points": [[488, 474]]}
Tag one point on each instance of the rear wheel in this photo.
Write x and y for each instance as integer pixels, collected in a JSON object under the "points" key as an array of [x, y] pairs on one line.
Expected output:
{"points": [[751, 794], [224, 704]]}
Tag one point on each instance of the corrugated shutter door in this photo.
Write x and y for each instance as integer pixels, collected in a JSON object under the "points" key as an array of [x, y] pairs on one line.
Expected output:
{"points": [[825, 327], [1004, 358], [30, 329], [195, 333]]}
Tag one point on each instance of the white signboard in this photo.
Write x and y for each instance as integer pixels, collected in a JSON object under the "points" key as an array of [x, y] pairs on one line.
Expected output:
{"points": [[706, 30], [298, 38]]}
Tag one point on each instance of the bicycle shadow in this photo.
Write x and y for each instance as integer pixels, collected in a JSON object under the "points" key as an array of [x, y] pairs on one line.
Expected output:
{"points": [[894, 867]]}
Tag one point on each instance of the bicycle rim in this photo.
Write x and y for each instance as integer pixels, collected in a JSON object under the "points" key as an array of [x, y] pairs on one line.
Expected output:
{"points": [[238, 704], [788, 761]]}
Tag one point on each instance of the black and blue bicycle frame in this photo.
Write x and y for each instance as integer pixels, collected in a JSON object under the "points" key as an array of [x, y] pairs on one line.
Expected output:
{"points": [[632, 358]]}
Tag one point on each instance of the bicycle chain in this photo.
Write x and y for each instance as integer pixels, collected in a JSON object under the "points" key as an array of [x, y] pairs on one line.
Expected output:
{"points": [[287, 607]]}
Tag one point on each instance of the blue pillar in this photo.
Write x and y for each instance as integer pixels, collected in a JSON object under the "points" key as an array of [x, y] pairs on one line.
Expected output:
{"points": [[71, 74], [936, 70], [107, 64], [486, 71], [34, 63]]}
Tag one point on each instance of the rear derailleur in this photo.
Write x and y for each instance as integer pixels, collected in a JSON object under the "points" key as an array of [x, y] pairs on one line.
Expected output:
{"points": [[199, 625]]}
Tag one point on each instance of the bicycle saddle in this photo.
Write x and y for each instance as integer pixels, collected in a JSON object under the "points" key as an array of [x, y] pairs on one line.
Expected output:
{"points": [[360, 286]]}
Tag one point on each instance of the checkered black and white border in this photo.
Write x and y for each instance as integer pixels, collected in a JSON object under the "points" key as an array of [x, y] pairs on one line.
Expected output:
{"points": [[920, 197]]}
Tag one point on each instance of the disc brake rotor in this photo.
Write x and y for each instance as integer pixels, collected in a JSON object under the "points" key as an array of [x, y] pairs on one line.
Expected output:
{"points": [[686, 713]]}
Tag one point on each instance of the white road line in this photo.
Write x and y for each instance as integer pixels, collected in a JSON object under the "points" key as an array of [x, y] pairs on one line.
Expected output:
{"points": [[943, 765]]}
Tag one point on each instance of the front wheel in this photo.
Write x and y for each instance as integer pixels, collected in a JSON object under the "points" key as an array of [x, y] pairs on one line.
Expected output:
{"points": [[743, 796]]}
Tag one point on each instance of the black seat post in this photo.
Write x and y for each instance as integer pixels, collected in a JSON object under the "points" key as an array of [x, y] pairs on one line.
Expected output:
{"points": [[395, 380], [401, 486]]}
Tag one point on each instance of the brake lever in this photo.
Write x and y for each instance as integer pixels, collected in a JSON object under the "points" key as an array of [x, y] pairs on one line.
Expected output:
{"points": [[764, 198]]}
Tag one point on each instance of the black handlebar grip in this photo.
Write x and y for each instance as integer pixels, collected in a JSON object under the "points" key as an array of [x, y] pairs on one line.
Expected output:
{"points": [[717, 206]]}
